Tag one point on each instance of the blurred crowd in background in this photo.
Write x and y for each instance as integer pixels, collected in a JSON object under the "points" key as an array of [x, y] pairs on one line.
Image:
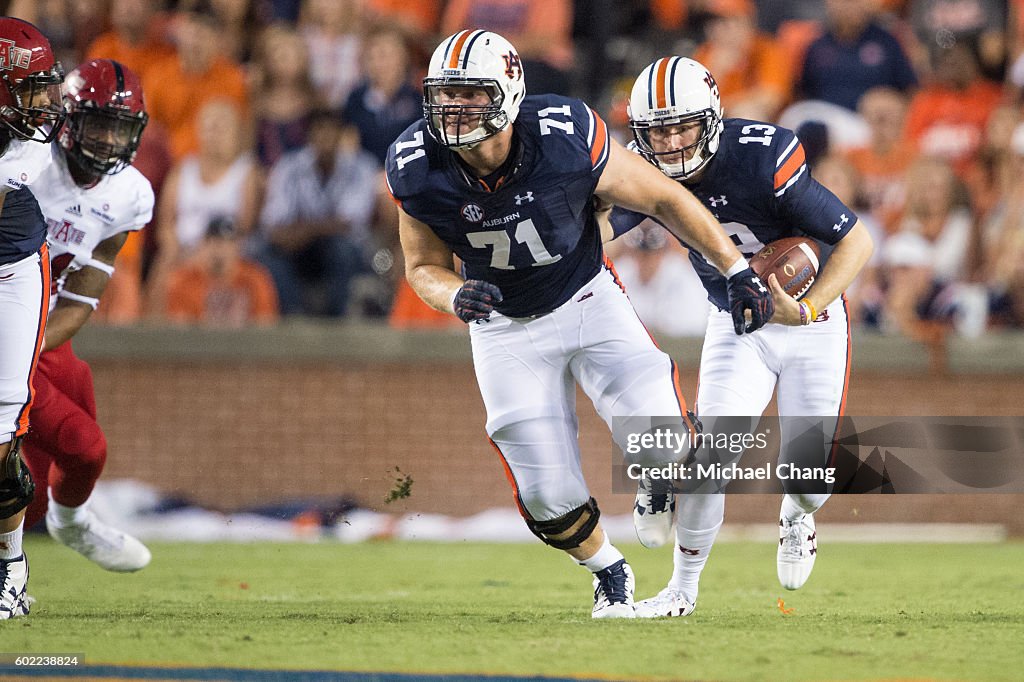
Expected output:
{"points": [[270, 121]]}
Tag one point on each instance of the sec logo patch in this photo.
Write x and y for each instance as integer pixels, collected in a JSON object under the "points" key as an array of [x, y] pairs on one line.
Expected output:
{"points": [[472, 213]]}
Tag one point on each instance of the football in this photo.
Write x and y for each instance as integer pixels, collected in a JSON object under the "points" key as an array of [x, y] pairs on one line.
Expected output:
{"points": [[794, 262]]}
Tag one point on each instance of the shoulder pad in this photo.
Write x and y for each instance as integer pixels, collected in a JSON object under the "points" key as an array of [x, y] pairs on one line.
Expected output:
{"points": [[567, 129]]}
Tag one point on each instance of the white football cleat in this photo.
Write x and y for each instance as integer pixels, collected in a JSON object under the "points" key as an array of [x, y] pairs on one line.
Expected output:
{"points": [[798, 547], [613, 591], [668, 603], [13, 581], [653, 514], [101, 544]]}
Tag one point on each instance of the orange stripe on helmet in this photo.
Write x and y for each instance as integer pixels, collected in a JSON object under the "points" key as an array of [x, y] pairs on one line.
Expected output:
{"points": [[453, 59], [660, 84]]}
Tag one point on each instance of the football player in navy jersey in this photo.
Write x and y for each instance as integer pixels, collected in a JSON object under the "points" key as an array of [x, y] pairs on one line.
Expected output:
{"points": [[31, 115], [754, 179], [507, 183]]}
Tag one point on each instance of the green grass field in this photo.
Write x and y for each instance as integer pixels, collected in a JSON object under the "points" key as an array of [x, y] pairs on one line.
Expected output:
{"points": [[869, 612]]}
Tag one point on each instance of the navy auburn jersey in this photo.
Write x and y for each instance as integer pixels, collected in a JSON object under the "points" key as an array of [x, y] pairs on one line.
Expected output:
{"points": [[760, 189], [22, 228], [533, 233]]}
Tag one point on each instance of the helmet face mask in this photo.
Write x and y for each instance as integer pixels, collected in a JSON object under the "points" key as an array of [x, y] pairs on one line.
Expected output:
{"points": [[473, 88], [654, 138], [105, 141], [668, 99], [36, 108], [106, 118], [462, 112]]}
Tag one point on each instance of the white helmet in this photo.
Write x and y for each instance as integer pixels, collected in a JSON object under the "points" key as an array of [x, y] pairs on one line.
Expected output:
{"points": [[479, 59], [670, 92]]}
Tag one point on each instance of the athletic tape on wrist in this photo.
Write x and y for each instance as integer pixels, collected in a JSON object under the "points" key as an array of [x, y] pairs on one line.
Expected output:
{"points": [[737, 267]]}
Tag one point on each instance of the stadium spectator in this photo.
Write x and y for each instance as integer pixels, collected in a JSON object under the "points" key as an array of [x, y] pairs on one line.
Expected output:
{"points": [[978, 24], [70, 26], [926, 256], [242, 22], [421, 18], [987, 178], [948, 118], [283, 95], [1003, 239], [854, 55], [219, 288], [385, 103], [220, 181], [751, 70], [333, 30], [316, 219], [865, 296], [883, 162], [138, 38], [195, 74], [540, 29]]}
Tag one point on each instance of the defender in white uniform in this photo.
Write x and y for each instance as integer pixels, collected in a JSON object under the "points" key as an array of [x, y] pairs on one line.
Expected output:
{"points": [[92, 199], [753, 176], [31, 112]]}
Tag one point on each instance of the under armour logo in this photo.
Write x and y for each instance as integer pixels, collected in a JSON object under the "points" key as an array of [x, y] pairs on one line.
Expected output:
{"points": [[720, 200], [760, 285], [689, 552], [842, 221], [526, 198]]}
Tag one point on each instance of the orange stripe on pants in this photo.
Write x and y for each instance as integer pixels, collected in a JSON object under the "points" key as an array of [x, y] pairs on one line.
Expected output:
{"points": [[44, 309]]}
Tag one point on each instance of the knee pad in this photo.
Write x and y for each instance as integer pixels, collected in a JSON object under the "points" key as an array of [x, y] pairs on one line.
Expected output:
{"points": [[547, 530], [16, 486]]}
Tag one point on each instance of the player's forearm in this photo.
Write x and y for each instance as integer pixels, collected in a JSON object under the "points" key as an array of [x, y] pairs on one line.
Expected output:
{"points": [[695, 225], [64, 322], [849, 256], [434, 284]]}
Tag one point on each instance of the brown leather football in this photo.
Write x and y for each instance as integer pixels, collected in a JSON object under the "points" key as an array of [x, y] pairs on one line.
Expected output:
{"points": [[793, 260]]}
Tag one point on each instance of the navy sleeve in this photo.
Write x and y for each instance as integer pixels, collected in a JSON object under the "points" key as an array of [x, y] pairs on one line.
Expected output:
{"points": [[623, 220], [800, 200], [573, 135], [406, 164]]}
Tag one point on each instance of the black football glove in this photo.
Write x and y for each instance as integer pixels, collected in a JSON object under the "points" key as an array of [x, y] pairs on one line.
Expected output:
{"points": [[476, 300], [748, 292]]}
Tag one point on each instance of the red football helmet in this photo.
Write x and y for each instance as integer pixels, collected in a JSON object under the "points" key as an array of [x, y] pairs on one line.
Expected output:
{"points": [[31, 106], [106, 116]]}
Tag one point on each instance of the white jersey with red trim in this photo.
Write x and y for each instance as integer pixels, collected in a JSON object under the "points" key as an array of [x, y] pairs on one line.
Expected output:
{"points": [[78, 219]]}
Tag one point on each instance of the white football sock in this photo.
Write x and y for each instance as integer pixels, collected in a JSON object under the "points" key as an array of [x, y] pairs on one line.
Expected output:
{"points": [[10, 543], [66, 516], [689, 557], [603, 558]]}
